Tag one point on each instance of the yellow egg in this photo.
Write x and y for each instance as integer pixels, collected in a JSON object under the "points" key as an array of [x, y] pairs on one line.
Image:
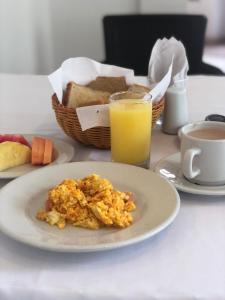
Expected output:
{"points": [[91, 202]]}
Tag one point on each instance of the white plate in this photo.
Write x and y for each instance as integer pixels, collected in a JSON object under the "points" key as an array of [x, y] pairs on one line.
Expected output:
{"points": [[63, 152], [169, 168], [157, 205]]}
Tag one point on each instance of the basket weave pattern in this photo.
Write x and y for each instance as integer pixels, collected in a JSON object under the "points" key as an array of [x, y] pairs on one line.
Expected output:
{"points": [[98, 137]]}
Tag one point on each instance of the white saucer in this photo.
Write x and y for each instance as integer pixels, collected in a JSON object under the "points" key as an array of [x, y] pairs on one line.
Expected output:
{"points": [[169, 167]]}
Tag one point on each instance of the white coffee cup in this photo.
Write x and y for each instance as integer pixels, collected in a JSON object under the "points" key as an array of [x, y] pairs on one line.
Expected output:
{"points": [[203, 152]]}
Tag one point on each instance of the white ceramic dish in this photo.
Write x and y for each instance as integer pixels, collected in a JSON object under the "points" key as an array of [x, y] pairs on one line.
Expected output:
{"points": [[169, 168], [157, 205], [63, 152]]}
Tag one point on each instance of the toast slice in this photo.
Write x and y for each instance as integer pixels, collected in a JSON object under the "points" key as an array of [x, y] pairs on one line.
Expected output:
{"points": [[77, 95], [137, 88], [109, 84]]}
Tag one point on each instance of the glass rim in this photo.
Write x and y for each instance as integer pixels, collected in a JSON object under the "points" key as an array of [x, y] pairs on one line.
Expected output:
{"points": [[143, 94]]}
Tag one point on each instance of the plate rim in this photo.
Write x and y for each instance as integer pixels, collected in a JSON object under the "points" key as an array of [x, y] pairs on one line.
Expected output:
{"points": [[11, 176], [186, 189], [99, 247]]}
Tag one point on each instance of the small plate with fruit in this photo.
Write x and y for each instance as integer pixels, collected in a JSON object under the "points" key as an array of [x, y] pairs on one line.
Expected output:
{"points": [[20, 154]]}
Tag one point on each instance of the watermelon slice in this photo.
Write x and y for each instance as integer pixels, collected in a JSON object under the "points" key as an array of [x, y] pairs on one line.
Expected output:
{"points": [[14, 138]]}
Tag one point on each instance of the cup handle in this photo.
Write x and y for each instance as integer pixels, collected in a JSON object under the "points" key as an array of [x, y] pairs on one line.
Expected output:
{"points": [[187, 163]]}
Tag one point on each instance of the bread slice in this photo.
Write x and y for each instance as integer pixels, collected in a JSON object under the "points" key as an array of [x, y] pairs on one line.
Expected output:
{"points": [[77, 95], [137, 88], [109, 84]]}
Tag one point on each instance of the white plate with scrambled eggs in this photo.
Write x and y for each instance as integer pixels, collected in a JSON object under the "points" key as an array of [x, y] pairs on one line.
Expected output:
{"points": [[123, 205], [63, 152]]}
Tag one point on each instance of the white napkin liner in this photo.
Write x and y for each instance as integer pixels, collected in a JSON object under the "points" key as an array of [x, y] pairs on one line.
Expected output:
{"points": [[98, 115], [82, 70]]}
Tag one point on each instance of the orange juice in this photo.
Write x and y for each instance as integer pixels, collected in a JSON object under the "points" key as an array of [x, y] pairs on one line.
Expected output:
{"points": [[130, 123]]}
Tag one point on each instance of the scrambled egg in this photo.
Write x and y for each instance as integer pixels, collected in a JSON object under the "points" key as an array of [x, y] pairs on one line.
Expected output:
{"points": [[91, 202]]}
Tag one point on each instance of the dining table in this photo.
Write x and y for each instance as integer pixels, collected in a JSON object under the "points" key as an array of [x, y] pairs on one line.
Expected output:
{"points": [[185, 261]]}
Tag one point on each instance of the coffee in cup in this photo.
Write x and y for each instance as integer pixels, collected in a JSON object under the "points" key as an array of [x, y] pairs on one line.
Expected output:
{"points": [[208, 133], [203, 152]]}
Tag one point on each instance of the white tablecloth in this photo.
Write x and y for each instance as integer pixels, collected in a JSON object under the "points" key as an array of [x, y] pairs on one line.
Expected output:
{"points": [[185, 261]]}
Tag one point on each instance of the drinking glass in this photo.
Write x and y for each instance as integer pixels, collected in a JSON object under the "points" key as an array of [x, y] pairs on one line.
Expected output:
{"points": [[130, 125]]}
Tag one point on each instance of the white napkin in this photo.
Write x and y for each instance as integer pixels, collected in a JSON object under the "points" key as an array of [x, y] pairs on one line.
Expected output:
{"points": [[82, 70], [163, 52]]}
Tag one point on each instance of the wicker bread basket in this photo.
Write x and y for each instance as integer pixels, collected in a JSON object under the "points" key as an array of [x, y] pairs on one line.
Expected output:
{"points": [[98, 137]]}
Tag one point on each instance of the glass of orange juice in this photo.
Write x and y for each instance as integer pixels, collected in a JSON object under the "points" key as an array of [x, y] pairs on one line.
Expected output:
{"points": [[130, 126]]}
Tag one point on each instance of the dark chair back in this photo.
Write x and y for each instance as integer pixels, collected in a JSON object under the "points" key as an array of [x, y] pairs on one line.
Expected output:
{"points": [[129, 39]]}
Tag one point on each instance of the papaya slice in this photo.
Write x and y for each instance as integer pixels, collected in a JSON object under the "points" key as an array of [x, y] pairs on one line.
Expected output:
{"points": [[48, 152], [38, 149]]}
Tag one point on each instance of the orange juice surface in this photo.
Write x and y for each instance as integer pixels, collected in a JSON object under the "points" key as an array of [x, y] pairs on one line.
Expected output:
{"points": [[130, 123]]}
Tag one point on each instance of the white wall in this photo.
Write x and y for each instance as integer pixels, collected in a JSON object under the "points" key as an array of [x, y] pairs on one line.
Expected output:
{"points": [[213, 9], [215, 12], [37, 35], [163, 6], [25, 36], [77, 28]]}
